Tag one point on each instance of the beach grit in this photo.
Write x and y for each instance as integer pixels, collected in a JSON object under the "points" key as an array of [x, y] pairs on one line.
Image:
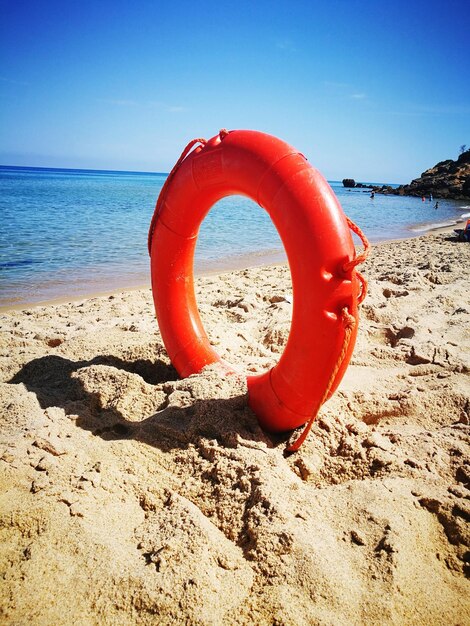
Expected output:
{"points": [[129, 496]]}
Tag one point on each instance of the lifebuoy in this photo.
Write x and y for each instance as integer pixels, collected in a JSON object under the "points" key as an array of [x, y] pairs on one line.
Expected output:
{"points": [[321, 256]]}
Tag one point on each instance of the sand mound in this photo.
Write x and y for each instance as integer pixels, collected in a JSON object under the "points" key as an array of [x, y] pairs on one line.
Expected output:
{"points": [[132, 497]]}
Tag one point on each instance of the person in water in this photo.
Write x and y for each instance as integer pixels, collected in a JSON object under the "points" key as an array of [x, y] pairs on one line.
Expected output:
{"points": [[372, 195], [436, 206]]}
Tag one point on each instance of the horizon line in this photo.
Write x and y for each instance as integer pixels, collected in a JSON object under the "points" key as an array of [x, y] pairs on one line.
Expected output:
{"points": [[89, 169], [79, 169]]}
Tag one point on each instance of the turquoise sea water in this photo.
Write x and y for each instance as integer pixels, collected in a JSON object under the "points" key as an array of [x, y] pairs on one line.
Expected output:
{"points": [[68, 233]]}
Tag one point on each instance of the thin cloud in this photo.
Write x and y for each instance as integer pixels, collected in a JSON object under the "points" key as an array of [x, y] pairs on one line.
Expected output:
{"points": [[418, 110], [286, 44], [151, 104], [170, 108], [13, 81], [344, 90], [446, 109], [119, 102], [336, 85]]}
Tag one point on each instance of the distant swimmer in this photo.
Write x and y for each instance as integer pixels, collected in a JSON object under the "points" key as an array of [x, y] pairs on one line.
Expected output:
{"points": [[436, 206], [372, 195], [423, 199], [430, 198]]}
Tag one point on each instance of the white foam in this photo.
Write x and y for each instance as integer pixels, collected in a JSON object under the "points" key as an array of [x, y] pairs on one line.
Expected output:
{"points": [[465, 215], [425, 227]]}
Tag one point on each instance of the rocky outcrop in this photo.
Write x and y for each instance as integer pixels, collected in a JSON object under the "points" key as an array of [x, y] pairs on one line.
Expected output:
{"points": [[350, 182], [447, 179]]}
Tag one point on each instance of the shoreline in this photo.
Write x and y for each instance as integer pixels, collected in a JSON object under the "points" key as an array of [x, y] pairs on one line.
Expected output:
{"points": [[219, 266]]}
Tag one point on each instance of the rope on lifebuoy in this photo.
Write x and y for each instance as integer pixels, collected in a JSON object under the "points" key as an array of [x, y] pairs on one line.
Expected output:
{"points": [[163, 192], [348, 321]]}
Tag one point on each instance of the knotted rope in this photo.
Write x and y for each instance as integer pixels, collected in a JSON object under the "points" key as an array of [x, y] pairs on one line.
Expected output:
{"points": [[349, 323], [166, 184], [161, 198]]}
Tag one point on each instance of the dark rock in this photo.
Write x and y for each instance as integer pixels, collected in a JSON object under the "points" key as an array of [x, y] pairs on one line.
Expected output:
{"points": [[350, 182], [464, 157], [447, 179]]}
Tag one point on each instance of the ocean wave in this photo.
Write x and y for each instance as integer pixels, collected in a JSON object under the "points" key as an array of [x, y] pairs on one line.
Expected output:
{"points": [[465, 215], [19, 263], [425, 227]]}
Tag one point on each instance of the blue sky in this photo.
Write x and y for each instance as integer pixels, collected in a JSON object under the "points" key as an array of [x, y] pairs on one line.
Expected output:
{"points": [[375, 91]]}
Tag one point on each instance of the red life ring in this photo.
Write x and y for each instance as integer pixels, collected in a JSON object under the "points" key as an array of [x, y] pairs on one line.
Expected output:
{"points": [[320, 251]]}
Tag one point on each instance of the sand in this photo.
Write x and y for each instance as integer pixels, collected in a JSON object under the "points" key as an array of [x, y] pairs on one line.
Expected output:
{"points": [[129, 496]]}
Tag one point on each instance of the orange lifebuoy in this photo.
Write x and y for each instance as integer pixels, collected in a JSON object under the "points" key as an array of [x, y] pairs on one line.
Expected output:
{"points": [[320, 251]]}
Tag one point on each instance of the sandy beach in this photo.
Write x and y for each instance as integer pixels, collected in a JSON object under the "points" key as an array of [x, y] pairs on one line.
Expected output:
{"points": [[129, 496]]}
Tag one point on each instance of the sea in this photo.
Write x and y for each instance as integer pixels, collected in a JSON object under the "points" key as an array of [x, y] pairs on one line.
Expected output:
{"points": [[67, 234]]}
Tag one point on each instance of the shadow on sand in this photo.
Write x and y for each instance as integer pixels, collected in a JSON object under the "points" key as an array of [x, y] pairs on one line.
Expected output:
{"points": [[51, 379]]}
